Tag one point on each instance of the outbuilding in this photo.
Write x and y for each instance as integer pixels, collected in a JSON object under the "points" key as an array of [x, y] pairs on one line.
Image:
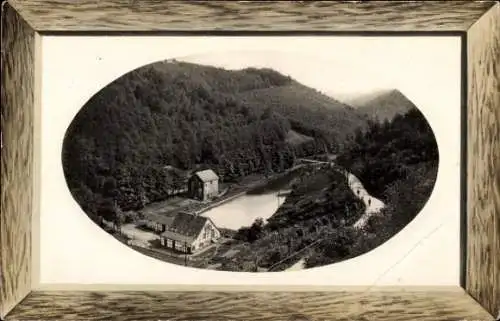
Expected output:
{"points": [[204, 185]]}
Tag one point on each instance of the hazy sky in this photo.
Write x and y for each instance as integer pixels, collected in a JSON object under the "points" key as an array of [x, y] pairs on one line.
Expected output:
{"points": [[345, 66]]}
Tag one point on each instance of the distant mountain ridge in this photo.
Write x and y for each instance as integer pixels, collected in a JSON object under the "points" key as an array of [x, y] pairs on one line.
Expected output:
{"points": [[382, 104]]}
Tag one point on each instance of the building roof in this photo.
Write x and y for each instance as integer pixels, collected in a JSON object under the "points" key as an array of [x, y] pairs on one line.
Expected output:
{"points": [[207, 175], [159, 218], [183, 227], [178, 237], [187, 224]]}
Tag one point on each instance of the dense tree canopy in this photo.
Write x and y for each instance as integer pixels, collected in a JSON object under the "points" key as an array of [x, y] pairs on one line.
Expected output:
{"points": [[391, 151], [316, 217], [396, 160], [137, 140], [188, 116]]}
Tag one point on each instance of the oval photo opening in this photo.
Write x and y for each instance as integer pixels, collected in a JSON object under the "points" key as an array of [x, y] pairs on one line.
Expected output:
{"points": [[247, 169]]}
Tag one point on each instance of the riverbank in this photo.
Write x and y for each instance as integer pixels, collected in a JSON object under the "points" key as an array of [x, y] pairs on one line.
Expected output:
{"points": [[276, 182], [261, 197], [254, 184], [217, 203], [232, 210], [260, 200], [314, 222]]}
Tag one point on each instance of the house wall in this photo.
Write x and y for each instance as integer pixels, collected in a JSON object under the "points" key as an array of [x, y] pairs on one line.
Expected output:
{"points": [[210, 189], [203, 190], [179, 246], [206, 237], [208, 234], [196, 188]]}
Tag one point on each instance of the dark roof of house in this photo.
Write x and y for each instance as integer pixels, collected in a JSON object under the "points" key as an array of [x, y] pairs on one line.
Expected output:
{"points": [[178, 237], [187, 224], [182, 226], [206, 175], [159, 218]]}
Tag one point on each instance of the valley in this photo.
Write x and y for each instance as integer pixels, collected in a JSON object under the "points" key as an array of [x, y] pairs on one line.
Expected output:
{"points": [[265, 173]]}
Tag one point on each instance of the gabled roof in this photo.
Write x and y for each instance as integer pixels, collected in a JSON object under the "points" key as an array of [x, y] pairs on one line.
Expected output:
{"points": [[187, 224], [207, 175], [183, 227], [159, 218], [178, 237]]}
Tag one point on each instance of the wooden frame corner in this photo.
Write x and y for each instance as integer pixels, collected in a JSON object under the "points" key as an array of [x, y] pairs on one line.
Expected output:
{"points": [[25, 21], [18, 108], [483, 170]]}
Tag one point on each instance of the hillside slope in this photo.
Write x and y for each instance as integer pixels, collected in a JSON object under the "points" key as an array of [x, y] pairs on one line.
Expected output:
{"points": [[309, 112], [397, 161], [399, 165], [383, 105], [314, 220], [191, 116]]}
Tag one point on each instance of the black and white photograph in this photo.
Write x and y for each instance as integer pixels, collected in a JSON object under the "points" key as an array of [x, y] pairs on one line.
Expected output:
{"points": [[248, 169], [250, 160]]}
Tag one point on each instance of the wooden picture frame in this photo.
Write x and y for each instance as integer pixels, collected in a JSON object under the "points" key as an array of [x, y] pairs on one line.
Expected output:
{"points": [[24, 22]]}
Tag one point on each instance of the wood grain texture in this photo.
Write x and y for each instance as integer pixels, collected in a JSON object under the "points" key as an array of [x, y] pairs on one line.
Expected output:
{"points": [[483, 195], [17, 98], [483, 261], [248, 306], [148, 15]]}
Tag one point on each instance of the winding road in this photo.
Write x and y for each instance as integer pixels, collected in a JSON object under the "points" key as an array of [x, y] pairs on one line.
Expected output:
{"points": [[373, 206]]}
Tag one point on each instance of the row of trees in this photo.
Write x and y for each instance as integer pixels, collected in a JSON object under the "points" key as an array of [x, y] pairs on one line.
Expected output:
{"points": [[387, 152], [313, 218], [396, 160], [185, 116]]}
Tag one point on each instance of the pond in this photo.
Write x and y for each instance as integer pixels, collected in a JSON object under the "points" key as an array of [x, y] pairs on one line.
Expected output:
{"points": [[261, 202], [243, 210]]}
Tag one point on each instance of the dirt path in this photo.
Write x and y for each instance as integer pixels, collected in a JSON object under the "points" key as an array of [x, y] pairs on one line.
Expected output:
{"points": [[373, 205], [138, 237]]}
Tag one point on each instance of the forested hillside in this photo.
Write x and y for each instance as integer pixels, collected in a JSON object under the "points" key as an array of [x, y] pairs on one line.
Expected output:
{"points": [[314, 221], [331, 128], [383, 105], [398, 163], [186, 116]]}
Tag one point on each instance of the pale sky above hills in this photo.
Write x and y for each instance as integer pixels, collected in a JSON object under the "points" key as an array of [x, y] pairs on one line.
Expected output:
{"points": [[344, 67]]}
